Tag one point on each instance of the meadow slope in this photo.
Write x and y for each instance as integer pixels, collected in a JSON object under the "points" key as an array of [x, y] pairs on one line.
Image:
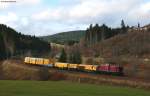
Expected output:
{"points": [[62, 88]]}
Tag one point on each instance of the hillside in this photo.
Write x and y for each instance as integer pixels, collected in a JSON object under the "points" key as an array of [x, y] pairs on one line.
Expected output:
{"points": [[13, 43], [134, 43], [65, 37]]}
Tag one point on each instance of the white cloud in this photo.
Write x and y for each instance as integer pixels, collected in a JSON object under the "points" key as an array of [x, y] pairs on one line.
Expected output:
{"points": [[86, 9], [140, 13], [25, 21], [50, 14], [101, 8], [8, 18], [145, 10]]}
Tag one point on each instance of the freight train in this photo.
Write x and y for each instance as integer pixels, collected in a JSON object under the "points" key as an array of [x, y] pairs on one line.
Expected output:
{"points": [[103, 68]]}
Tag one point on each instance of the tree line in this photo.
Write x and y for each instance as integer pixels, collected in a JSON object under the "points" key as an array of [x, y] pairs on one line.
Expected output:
{"points": [[98, 33]]}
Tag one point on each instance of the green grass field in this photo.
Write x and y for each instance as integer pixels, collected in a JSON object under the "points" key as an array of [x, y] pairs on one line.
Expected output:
{"points": [[62, 88]]}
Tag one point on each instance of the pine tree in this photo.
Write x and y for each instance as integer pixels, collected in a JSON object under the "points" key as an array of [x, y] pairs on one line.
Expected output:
{"points": [[2, 48], [138, 25], [63, 56], [123, 24], [78, 58], [75, 57], [123, 27]]}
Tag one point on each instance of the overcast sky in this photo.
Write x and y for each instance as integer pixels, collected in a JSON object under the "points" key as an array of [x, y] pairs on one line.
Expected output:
{"points": [[46, 17]]}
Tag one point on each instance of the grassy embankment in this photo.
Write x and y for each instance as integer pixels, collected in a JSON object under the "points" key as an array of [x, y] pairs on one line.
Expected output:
{"points": [[62, 88]]}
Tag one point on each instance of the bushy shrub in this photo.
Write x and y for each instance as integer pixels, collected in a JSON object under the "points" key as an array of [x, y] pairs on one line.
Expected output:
{"points": [[56, 76]]}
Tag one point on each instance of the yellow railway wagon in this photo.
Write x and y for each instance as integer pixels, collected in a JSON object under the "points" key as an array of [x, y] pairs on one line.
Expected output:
{"points": [[87, 67], [81, 67], [32, 61], [95, 67], [46, 61], [90, 67], [73, 66], [27, 60], [61, 65], [39, 61]]}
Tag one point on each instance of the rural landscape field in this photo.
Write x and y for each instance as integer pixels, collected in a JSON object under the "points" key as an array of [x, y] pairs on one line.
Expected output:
{"points": [[62, 88], [74, 47]]}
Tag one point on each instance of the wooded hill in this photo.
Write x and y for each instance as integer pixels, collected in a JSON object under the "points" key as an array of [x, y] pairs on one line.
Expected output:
{"points": [[134, 43], [92, 35], [69, 37], [13, 43], [109, 42], [96, 33]]}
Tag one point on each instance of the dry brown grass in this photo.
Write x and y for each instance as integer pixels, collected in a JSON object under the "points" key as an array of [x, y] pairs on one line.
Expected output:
{"points": [[1, 70], [110, 80], [56, 76], [17, 71]]}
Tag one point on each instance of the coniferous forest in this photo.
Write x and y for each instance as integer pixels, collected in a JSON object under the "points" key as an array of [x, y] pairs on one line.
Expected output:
{"points": [[96, 33], [13, 44]]}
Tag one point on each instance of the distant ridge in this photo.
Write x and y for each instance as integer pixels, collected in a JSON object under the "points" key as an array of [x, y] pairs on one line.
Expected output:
{"points": [[64, 37]]}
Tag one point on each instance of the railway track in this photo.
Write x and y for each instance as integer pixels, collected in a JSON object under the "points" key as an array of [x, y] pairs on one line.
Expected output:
{"points": [[90, 74]]}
